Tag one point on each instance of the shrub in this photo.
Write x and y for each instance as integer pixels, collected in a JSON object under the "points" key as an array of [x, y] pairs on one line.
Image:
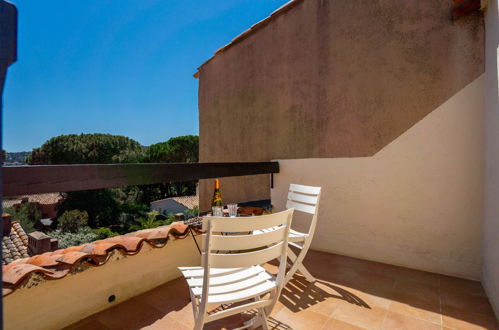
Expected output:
{"points": [[146, 223], [134, 207], [104, 232], [192, 213], [67, 239], [71, 221]]}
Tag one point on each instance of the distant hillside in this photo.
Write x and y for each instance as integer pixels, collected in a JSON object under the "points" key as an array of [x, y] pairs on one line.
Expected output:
{"points": [[16, 157]]}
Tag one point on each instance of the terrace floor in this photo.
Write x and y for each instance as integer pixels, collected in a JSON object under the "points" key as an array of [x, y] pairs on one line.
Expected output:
{"points": [[349, 294]]}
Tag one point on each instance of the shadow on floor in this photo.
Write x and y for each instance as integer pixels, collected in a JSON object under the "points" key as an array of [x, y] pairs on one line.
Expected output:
{"points": [[299, 294]]}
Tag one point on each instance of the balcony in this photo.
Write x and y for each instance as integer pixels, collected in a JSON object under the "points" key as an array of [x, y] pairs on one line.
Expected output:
{"points": [[350, 294], [395, 118], [132, 281]]}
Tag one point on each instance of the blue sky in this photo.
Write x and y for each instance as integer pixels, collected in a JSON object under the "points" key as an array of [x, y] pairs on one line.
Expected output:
{"points": [[119, 67]]}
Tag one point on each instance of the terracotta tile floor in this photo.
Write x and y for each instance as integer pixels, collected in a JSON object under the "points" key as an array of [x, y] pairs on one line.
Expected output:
{"points": [[349, 294]]}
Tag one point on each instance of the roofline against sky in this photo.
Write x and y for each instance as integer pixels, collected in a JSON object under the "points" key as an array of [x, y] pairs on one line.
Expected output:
{"points": [[255, 27]]}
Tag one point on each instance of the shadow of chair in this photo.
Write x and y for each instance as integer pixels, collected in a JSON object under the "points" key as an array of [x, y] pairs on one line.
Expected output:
{"points": [[299, 294]]}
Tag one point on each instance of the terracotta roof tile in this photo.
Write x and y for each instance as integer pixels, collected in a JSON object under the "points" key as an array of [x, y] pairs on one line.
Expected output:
{"points": [[129, 243], [14, 273], [59, 263], [44, 260], [50, 198], [71, 258], [15, 246]]}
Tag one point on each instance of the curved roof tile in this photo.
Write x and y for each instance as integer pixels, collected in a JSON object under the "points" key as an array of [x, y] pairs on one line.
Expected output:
{"points": [[59, 263]]}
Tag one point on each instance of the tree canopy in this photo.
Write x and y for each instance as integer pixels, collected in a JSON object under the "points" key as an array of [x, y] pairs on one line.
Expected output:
{"points": [[180, 149], [86, 149]]}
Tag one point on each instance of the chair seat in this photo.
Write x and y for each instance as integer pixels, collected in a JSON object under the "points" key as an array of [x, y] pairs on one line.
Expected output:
{"points": [[230, 284]]}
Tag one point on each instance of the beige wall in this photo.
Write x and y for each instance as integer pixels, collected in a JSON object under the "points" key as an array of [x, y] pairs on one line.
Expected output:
{"points": [[332, 79], [58, 303], [416, 203], [491, 219]]}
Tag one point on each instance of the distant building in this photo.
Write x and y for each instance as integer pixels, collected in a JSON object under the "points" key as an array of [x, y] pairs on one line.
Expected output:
{"points": [[16, 244], [46, 203], [175, 204]]}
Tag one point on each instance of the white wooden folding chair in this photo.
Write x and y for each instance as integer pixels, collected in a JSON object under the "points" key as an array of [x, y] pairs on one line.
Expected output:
{"points": [[231, 270], [303, 199]]}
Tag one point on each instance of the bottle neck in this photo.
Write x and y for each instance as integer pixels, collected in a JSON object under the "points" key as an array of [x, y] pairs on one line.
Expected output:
{"points": [[217, 197]]}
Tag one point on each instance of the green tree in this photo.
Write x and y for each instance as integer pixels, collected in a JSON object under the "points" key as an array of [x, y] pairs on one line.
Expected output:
{"points": [[71, 221], [101, 205], [86, 149], [180, 149], [27, 214]]}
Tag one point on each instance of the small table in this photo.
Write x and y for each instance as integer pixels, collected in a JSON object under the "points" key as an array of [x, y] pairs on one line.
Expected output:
{"points": [[196, 224]]}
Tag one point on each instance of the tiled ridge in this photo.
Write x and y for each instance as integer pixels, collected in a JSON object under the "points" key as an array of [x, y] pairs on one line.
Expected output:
{"points": [[57, 264]]}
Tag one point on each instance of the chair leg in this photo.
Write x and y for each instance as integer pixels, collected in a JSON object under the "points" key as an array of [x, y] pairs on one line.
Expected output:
{"points": [[263, 318], [297, 265], [258, 320], [198, 326]]}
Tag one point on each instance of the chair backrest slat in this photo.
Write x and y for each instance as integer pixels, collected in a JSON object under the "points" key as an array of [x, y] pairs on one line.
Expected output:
{"points": [[305, 189], [246, 259], [245, 224], [246, 242], [302, 198], [301, 207], [237, 248]]}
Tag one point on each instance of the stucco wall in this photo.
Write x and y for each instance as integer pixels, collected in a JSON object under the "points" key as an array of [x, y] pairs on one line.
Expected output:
{"points": [[58, 303], [332, 79], [416, 203], [491, 219]]}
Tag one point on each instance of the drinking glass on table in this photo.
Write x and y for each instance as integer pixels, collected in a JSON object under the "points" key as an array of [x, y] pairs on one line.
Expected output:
{"points": [[217, 211], [232, 210]]}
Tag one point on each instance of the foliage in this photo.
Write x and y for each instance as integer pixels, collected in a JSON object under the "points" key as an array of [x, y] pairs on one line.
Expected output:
{"points": [[70, 221], [192, 213], [151, 221], [102, 207], [117, 208], [131, 156], [81, 236], [27, 214], [104, 232], [170, 218], [180, 149], [134, 208], [85, 149]]}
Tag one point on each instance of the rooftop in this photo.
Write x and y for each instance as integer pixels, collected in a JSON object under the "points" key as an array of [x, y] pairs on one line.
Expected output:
{"points": [[49, 198], [15, 245], [189, 202], [350, 294], [57, 264]]}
